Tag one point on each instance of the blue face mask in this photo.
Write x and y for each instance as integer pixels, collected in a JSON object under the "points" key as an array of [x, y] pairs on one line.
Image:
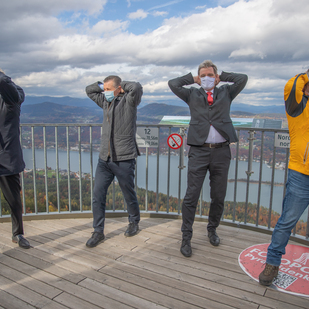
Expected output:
{"points": [[109, 95]]}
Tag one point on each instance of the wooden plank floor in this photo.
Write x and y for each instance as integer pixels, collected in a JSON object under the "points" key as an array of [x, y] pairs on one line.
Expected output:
{"points": [[145, 271]]}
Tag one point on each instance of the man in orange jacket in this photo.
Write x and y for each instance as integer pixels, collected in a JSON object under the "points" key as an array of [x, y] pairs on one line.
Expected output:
{"points": [[296, 200]]}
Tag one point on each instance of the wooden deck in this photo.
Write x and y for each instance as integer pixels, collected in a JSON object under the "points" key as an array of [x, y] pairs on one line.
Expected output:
{"points": [[145, 271]]}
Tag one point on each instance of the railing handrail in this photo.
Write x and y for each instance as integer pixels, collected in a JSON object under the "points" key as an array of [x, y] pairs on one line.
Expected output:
{"points": [[250, 130]]}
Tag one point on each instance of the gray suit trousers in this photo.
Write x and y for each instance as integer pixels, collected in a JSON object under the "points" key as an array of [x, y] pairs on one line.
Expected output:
{"points": [[201, 160]]}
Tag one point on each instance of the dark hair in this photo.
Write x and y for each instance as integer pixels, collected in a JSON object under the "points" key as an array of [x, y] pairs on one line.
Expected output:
{"points": [[115, 78]]}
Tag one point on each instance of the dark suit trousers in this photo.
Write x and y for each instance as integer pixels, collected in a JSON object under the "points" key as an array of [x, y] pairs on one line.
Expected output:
{"points": [[201, 160], [10, 186]]}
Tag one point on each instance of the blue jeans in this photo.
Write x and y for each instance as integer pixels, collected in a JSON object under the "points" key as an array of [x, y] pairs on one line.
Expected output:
{"points": [[295, 202], [105, 173]]}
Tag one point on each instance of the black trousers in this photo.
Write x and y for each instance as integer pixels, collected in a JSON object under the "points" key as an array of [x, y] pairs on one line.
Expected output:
{"points": [[201, 160], [10, 186]]}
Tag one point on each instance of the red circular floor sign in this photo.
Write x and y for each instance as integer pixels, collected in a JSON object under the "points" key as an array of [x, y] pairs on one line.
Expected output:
{"points": [[293, 274], [174, 141]]}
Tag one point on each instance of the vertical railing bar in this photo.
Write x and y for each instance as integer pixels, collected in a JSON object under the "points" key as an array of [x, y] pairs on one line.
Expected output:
{"points": [[113, 192], [91, 168], [69, 168], [135, 178], [34, 171], [168, 175], [146, 193], [46, 170], [201, 200], [158, 170], [22, 179], [272, 185], [307, 228], [80, 169], [286, 170], [0, 207], [179, 177], [260, 181], [236, 175], [249, 172], [57, 168]]}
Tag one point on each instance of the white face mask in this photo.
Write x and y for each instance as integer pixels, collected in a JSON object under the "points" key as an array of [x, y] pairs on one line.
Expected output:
{"points": [[207, 82]]}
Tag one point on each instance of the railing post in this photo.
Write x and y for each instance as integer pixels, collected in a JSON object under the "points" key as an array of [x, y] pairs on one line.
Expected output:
{"points": [[260, 182], [249, 172], [91, 167], [158, 170], [46, 171], [34, 172], [80, 170], [181, 164], [146, 193], [168, 176], [272, 186], [57, 168], [236, 176], [22, 180]]}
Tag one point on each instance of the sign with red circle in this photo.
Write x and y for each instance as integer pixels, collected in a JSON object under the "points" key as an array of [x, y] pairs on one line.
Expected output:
{"points": [[293, 274], [174, 141]]}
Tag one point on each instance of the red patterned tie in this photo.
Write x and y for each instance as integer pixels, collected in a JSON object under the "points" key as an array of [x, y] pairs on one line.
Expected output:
{"points": [[209, 98]]}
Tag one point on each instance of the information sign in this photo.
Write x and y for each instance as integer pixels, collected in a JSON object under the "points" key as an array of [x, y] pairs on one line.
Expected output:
{"points": [[282, 140], [147, 137]]}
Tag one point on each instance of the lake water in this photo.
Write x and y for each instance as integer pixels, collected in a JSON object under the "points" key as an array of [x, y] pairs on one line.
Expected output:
{"points": [[174, 175]]}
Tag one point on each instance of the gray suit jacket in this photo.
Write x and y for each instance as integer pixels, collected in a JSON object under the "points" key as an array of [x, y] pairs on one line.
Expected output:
{"points": [[203, 115]]}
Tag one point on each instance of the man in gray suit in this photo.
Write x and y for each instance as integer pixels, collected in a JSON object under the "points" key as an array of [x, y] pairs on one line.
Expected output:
{"points": [[210, 133]]}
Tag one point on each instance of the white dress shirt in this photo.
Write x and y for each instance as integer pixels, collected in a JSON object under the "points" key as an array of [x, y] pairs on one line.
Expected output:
{"points": [[214, 136]]}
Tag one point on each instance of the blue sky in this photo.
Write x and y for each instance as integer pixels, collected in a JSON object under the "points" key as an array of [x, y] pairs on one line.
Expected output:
{"points": [[58, 47]]}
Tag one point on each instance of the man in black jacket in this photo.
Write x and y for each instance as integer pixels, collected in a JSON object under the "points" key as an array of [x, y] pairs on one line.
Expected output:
{"points": [[118, 151], [11, 156], [210, 133]]}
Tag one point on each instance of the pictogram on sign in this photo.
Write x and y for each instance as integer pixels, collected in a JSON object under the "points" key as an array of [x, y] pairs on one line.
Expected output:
{"points": [[174, 141], [293, 274]]}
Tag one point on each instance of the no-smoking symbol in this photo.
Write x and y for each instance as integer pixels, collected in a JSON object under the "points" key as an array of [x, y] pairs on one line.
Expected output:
{"points": [[174, 141]]}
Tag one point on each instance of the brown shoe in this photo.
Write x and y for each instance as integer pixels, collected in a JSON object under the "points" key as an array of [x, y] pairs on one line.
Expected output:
{"points": [[268, 275]]}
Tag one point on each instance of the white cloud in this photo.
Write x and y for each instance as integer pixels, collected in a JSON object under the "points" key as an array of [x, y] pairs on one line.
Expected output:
{"points": [[247, 52], [139, 14], [201, 7], [159, 13], [258, 37], [109, 27]]}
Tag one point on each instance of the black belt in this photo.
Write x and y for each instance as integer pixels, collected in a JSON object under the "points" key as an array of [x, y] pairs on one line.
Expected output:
{"points": [[218, 145]]}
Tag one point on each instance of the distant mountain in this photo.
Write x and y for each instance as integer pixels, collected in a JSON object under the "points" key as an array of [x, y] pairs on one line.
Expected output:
{"points": [[69, 101], [258, 109], [48, 112], [30, 100]]}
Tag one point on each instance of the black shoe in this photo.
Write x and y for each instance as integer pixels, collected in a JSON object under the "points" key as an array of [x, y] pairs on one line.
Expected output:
{"points": [[185, 248], [214, 238], [21, 241], [95, 239], [131, 230]]}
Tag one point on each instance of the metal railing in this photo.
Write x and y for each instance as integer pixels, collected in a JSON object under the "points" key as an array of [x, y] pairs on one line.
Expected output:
{"points": [[161, 186]]}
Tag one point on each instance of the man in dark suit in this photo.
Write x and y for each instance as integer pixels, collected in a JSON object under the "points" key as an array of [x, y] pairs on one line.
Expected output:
{"points": [[11, 156], [210, 133]]}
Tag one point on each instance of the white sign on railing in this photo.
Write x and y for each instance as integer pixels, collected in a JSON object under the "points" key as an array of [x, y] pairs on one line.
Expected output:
{"points": [[282, 140], [147, 137]]}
